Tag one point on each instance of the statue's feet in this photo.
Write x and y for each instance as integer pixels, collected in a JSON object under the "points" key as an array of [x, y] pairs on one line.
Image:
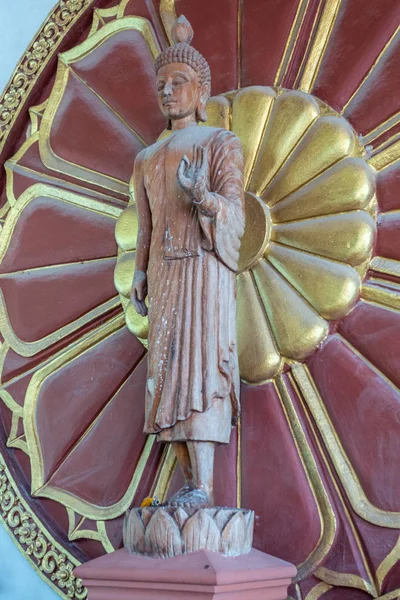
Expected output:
{"points": [[188, 487], [191, 497]]}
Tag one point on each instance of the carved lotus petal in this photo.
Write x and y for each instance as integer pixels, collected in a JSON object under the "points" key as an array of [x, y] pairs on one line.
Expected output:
{"points": [[166, 531], [222, 517], [200, 532], [146, 515], [162, 537], [234, 535], [181, 517], [134, 531]]}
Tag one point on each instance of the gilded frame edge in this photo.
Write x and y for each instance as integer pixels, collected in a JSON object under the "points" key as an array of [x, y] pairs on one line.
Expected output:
{"points": [[10, 113], [56, 556]]}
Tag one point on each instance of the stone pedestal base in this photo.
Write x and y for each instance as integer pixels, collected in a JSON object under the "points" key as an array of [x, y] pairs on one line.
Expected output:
{"points": [[202, 575]]}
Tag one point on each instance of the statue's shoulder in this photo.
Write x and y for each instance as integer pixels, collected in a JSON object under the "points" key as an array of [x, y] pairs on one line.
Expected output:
{"points": [[217, 136], [221, 135], [140, 157]]}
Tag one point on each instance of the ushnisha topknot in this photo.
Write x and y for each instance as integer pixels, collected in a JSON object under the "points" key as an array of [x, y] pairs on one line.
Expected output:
{"points": [[182, 52]]}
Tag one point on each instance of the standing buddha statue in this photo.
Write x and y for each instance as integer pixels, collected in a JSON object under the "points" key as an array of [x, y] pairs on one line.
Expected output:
{"points": [[188, 189]]}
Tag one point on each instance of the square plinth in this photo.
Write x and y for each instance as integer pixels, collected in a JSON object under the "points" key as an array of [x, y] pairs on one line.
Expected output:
{"points": [[202, 575]]}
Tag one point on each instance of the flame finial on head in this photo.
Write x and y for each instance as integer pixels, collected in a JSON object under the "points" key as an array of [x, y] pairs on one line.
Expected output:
{"points": [[182, 31]]}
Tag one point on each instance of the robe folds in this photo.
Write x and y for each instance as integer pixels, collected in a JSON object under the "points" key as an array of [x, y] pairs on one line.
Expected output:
{"points": [[190, 253]]}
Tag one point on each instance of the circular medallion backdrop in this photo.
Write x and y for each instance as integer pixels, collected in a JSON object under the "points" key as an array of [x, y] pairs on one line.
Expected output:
{"points": [[311, 88]]}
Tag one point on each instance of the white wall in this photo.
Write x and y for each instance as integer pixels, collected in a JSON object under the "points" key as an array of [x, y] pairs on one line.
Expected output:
{"points": [[19, 21]]}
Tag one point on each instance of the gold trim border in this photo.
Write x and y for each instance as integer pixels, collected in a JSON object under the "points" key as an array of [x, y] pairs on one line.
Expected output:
{"points": [[49, 559], [38, 54]]}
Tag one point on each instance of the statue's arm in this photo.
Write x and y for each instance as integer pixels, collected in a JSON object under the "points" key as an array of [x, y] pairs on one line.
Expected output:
{"points": [[226, 175], [222, 165], [214, 182], [221, 213], [139, 285]]}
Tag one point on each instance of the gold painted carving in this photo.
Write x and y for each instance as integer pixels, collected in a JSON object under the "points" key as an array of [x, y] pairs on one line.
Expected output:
{"points": [[39, 52], [39, 485], [385, 50], [330, 185], [63, 196], [65, 68], [318, 591], [15, 439], [387, 266], [375, 294], [316, 51], [360, 503], [345, 579], [302, 8], [76, 530], [168, 16], [391, 560], [386, 158], [47, 557], [164, 475], [326, 513], [310, 226]]}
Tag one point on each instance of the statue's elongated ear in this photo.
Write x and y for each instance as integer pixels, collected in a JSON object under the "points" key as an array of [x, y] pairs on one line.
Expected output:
{"points": [[201, 114]]}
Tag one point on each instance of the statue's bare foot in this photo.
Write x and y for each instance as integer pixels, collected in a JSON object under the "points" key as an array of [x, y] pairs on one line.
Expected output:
{"points": [[192, 498], [188, 487]]}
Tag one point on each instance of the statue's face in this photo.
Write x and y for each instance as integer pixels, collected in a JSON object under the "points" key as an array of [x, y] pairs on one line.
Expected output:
{"points": [[179, 90]]}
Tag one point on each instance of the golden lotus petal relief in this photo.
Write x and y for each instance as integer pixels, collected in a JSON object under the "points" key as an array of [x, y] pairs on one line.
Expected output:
{"points": [[137, 324], [348, 185], [346, 237], [309, 190], [292, 114], [123, 274], [259, 359], [338, 285], [250, 110], [297, 328], [257, 232], [329, 140], [126, 229], [126, 234], [218, 112]]}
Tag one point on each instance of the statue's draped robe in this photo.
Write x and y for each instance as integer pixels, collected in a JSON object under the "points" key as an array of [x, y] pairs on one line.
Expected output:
{"points": [[191, 253]]}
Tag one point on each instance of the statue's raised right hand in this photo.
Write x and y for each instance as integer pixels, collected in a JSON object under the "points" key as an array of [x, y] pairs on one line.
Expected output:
{"points": [[139, 292]]}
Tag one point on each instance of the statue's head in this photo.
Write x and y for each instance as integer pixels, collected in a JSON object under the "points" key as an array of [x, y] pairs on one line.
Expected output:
{"points": [[183, 76]]}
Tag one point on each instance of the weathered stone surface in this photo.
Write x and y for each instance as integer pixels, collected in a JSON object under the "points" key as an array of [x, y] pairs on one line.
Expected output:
{"points": [[164, 532]]}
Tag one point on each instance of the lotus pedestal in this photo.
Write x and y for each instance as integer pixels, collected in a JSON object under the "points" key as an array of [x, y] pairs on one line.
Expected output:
{"points": [[202, 575]]}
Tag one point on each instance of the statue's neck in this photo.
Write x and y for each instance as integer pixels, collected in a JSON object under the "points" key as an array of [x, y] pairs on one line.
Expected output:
{"points": [[188, 121]]}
